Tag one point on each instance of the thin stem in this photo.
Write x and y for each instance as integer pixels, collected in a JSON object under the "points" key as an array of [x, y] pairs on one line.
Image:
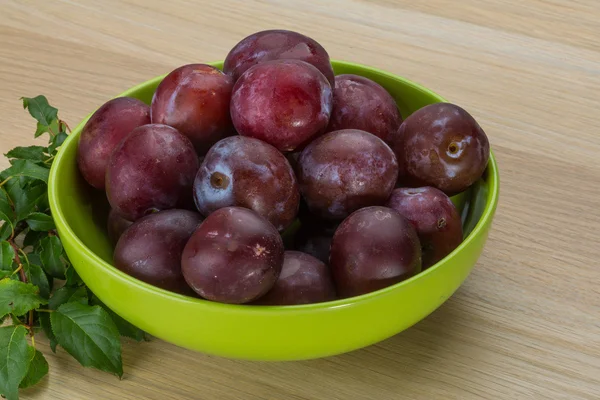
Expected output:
{"points": [[44, 310], [4, 182], [22, 275], [19, 268], [61, 122], [49, 160], [32, 339]]}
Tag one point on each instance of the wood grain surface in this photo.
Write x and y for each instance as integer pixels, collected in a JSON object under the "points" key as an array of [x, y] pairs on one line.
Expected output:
{"points": [[526, 323]]}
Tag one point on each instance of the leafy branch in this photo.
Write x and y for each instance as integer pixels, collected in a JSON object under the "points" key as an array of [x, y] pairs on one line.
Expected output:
{"points": [[39, 288]]}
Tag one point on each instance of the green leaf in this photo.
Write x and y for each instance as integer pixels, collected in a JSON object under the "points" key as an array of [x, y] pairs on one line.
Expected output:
{"points": [[38, 277], [43, 112], [6, 215], [17, 297], [47, 328], [33, 237], [56, 142], [27, 199], [7, 254], [15, 357], [67, 295], [26, 168], [40, 222], [50, 251], [33, 153], [72, 277], [38, 368], [125, 328], [89, 335]]}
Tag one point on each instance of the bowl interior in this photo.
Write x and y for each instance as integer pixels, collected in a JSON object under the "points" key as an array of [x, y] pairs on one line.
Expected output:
{"points": [[82, 211]]}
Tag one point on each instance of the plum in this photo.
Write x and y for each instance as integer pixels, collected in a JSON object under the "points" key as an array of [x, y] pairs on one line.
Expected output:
{"points": [[360, 103], [235, 256], [441, 145], [303, 280], [104, 130], [115, 226], [285, 103], [150, 249], [434, 217], [345, 170], [152, 169], [276, 45], [247, 172], [195, 99], [373, 248]]}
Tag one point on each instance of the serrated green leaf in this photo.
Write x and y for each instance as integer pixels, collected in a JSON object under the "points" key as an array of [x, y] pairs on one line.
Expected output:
{"points": [[89, 335], [67, 295], [47, 328], [32, 153], [50, 251], [32, 238], [72, 277], [43, 112], [125, 328], [15, 357], [18, 298], [6, 215], [38, 277], [26, 168], [27, 200], [56, 142], [38, 368], [38, 221], [7, 255]]}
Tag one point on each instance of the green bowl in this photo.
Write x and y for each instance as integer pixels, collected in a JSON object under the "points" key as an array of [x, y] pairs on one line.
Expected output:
{"points": [[264, 332]]}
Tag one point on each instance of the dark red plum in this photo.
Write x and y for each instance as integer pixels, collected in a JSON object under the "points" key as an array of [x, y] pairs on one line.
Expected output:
{"points": [[373, 248], [435, 218], [303, 280], [195, 99], [247, 172], [152, 169], [285, 103], [235, 256], [276, 45], [345, 170], [116, 225], [441, 145], [360, 103], [103, 132], [150, 249]]}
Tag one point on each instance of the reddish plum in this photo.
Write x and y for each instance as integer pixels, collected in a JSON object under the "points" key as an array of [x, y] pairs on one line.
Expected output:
{"points": [[285, 103], [435, 218], [103, 132], [345, 170], [276, 45], [373, 248], [235, 256], [360, 103], [152, 169]]}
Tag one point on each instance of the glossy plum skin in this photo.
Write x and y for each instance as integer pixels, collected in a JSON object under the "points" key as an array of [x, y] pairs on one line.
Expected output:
{"points": [[303, 280], [235, 256], [152, 169], [373, 248], [115, 226], [247, 172], [286, 103], [103, 132], [360, 103], [276, 45], [435, 218], [150, 249], [345, 170], [441, 145], [195, 99]]}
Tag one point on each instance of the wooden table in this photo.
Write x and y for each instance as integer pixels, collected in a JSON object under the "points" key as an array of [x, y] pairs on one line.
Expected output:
{"points": [[526, 323]]}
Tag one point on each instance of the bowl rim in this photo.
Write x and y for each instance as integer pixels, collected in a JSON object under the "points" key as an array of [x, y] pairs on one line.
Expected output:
{"points": [[58, 215]]}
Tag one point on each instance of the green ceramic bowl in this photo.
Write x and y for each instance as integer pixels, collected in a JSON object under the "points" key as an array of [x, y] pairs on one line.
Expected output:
{"points": [[254, 332]]}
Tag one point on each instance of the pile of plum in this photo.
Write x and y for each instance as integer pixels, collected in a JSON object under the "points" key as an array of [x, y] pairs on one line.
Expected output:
{"points": [[274, 182]]}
